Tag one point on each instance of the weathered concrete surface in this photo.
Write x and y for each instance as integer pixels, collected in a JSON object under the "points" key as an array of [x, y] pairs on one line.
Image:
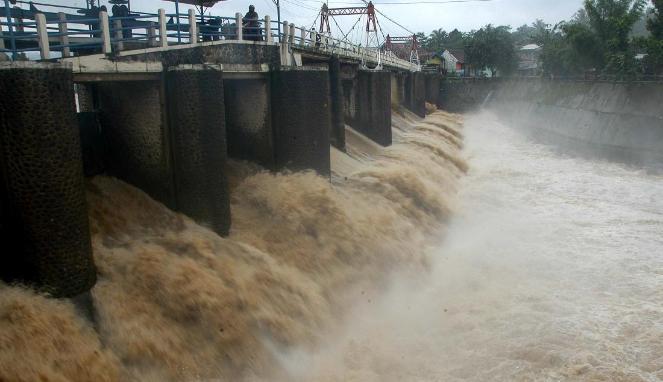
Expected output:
{"points": [[137, 142], [240, 53], [373, 103], [397, 89], [460, 95], [349, 85], [415, 93], [248, 120], [624, 119], [337, 133], [197, 129], [43, 212], [92, 144], [432, 83], [301, 119]]}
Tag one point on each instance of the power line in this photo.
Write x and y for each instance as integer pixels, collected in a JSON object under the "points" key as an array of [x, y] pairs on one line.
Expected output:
{"points": [[432, 2]]}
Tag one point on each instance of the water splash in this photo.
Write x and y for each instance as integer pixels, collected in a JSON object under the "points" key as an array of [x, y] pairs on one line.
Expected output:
{"points": [[176, 302]]}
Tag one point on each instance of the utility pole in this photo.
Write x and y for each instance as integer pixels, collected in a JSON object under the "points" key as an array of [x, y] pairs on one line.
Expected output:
{"points": [[268, 28]]}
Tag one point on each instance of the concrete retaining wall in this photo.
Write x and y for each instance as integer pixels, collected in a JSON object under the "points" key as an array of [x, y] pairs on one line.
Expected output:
{"points": [[461, 95], [621, 120], [624, 120]]}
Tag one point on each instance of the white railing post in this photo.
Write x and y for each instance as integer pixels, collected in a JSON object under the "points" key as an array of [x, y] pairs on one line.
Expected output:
{"points": [[314, 38], [64, 39], [105, 32], [291, 34], [193, 30], [268, 29], [302, 32], [240, 26], [151, 35], [2, 40], [42, 33], [284, 33], [163, 31], [119, 44]]}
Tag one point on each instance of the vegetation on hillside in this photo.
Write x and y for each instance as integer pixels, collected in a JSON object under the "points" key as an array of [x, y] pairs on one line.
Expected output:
{"points": [[619, 38]]}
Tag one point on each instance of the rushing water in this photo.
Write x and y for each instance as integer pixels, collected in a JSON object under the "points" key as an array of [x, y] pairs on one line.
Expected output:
{"points": [[552, 270]]}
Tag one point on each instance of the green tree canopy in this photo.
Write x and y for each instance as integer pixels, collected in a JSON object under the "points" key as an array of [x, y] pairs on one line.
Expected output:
{"points": [[492, 48]]}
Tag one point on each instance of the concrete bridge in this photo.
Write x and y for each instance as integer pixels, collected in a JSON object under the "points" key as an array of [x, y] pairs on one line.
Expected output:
{"points": [[165, 118]]}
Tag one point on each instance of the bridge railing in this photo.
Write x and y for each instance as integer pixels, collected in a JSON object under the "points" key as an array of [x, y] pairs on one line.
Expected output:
{"points": [[296, 37], [69, 34], [96, 31]]}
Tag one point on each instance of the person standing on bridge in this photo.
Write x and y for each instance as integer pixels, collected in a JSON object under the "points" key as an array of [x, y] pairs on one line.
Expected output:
{"points": [[251, 25]]}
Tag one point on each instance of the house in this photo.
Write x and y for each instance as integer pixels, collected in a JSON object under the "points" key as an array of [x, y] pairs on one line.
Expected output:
{"points": [[455, 63], [528, 60]]}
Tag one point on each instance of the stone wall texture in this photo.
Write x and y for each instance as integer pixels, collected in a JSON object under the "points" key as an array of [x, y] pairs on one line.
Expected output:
{"points": [[248, 120], [43, 212], [196, 120], [136, 139]]}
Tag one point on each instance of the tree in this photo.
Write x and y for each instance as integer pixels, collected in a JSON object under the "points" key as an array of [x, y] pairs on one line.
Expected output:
{"points": [[655, 22], [653, 46], [597, 37], [612, 20], [492, 48]]}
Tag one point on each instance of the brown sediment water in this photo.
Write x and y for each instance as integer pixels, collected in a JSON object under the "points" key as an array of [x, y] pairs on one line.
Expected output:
{"points": [[175, 302]]}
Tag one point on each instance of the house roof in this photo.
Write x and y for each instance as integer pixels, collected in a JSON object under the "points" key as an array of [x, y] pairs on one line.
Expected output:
{"points": [[459, 54]]}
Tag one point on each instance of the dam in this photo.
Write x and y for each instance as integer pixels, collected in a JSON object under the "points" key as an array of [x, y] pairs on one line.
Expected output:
{"points": [[302, 209]]}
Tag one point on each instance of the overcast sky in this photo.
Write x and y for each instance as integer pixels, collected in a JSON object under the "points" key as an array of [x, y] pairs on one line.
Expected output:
{"points": [[416, 17]]}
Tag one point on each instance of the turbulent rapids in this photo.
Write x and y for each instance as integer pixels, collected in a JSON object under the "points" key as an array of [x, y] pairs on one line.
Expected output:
{"points": [[174, 301]]}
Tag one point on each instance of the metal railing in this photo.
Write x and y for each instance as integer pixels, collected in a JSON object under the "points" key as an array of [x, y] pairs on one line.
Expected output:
{"points": [[69, 35], [294, 37]]}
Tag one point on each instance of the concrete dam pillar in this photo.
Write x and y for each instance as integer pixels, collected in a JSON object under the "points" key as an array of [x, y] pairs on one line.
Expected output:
{"points": [[373, 113], [168, 138], [196, 121], [337, 132], [301, 119], [43, 212], [433, 81], [415, 93], [397, 89]]}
